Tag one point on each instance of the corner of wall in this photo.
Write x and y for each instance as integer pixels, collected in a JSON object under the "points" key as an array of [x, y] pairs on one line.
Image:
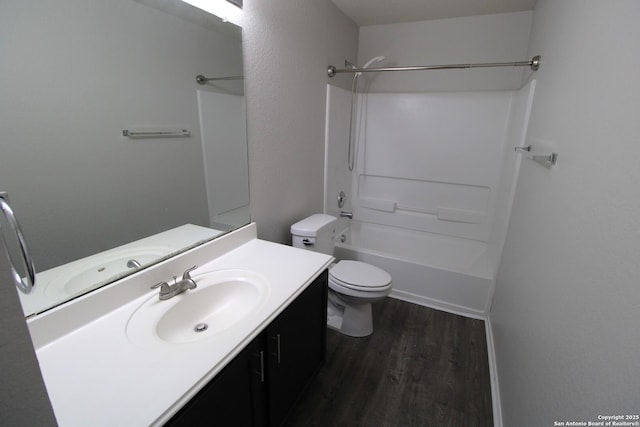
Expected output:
{"points": [[23, 397]]}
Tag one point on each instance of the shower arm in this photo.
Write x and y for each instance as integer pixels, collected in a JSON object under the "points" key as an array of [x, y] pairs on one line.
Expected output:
{"points": [[534, 64]]}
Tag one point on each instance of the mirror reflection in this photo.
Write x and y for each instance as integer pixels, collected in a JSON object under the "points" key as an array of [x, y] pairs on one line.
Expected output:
{"points": [[95, 205]]}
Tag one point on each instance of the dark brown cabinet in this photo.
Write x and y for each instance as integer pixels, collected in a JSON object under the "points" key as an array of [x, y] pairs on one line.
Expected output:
{"points": [[296, 345], [261, 385], [234, 397]]}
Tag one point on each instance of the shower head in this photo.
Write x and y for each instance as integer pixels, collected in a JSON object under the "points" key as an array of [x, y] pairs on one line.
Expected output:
{"points": [[372, 60], [369, 62]]}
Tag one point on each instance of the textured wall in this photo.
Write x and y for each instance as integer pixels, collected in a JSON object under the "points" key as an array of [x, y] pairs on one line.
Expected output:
{"points": [[287, 47], [565, 315]]}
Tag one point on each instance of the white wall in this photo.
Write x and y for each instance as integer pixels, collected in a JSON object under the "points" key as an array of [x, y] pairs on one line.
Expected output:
{"points": [[565, 316], [287, 47], [487, 38]]}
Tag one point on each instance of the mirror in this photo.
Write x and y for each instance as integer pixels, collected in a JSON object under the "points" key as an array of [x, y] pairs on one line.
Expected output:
{"points": [[90, 200]]}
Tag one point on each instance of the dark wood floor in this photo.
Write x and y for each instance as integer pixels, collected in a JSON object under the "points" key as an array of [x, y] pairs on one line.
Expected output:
{"points": [[421, 367]]}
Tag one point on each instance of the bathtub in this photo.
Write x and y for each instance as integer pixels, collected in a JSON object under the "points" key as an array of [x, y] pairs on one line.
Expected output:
{"points": [[443, 272]]}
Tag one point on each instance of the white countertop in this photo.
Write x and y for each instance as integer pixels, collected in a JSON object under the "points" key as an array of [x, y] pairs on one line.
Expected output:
{"points": [[95, 375]]}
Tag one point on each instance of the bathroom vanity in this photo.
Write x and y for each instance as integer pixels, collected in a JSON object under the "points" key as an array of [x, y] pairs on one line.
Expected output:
{"points": [[261, 384], [121, 356]]}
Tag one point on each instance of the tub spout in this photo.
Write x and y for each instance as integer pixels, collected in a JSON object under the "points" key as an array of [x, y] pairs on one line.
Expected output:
{"points": [[345, 214]]}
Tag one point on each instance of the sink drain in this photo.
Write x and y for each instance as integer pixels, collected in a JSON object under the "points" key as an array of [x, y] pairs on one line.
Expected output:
{"points": [[201, 327]]}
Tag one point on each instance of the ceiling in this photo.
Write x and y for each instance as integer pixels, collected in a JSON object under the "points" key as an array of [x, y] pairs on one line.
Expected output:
{"points": [[376, 12]]}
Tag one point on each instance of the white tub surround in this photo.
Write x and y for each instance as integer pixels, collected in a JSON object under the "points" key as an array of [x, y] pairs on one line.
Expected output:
{"points": [[95, 375], [435, 162], [447, 273], [432, 188], [431, 161]]}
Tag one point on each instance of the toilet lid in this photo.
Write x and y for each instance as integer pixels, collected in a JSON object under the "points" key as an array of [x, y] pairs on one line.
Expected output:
{"points": [[356, 273]]}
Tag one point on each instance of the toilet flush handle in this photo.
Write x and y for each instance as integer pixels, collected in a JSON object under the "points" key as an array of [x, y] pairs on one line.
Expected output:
{"points": [[307, 242]]}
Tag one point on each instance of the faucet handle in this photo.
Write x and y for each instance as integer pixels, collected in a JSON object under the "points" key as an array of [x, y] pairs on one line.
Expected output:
{"points": [[164, 287], [157, 285], [186, 275]]}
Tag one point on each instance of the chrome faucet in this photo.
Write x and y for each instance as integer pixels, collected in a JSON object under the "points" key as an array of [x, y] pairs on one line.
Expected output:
{"points": [[168, 291], [345, 214], [132, 263]]}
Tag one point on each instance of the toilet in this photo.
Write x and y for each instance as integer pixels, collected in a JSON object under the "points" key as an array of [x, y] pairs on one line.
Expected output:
{"points": [[353, 285]]}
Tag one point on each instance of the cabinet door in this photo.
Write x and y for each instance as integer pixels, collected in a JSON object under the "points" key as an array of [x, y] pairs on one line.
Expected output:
{"points": [[296, 343], [235, 397]]}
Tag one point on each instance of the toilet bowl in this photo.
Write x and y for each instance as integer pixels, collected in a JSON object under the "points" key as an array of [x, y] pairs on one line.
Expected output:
{"points": [[353, 285]]}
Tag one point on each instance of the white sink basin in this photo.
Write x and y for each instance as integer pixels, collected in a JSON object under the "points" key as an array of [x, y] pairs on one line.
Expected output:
{"points": [[101, 268], [222, 300]]}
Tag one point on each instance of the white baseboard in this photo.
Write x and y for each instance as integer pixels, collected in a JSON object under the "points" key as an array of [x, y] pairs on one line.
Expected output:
{"points": [[493, 373], [436, 304], [491, 354]]}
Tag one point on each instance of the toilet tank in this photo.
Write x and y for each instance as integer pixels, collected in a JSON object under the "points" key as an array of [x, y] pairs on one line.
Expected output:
{"points": [[315, 233]]}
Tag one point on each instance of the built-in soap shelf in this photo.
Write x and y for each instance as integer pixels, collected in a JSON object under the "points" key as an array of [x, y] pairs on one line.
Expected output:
{"points": [[546, 160], [440, 212]]}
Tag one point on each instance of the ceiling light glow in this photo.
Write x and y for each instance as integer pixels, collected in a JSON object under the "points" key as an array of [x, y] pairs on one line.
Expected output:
{"points": [[220, 8]]}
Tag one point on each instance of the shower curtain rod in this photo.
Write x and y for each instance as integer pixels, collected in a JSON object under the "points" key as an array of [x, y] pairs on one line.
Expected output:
{"points": [[534, 64]]}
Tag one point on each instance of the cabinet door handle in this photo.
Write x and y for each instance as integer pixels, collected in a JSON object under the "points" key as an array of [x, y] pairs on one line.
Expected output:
{"points": [[277, 353], [261, 355]]}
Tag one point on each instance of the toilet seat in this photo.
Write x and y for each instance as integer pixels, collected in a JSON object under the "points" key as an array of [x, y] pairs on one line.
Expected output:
{"points": [[360, 276]]}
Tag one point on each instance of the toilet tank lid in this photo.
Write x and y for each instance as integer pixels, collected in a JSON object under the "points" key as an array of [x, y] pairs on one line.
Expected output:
{"points": [[310, 225]]}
